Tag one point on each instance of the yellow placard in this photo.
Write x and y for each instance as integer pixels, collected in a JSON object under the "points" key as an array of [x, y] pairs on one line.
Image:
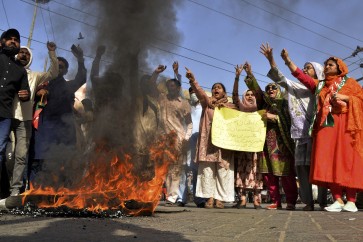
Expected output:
{"points": [[240, 131]]}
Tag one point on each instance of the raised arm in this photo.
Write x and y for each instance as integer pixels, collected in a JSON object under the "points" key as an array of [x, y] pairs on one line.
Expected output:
{"points": [[202, 96], [188, 122], [154, 92], [235, 95], [288, 62], [95, 70], [274, 74], [53, 70], [296, 72], [81, 75], [252, 84], [176, 71]]}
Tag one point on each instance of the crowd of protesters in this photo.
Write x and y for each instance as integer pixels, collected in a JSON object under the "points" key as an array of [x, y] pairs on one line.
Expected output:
{"points": [[314, 129]]}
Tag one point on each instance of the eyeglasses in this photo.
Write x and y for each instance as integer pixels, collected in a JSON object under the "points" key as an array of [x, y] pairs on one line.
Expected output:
{"points": [[307, 68], [271, 87]]}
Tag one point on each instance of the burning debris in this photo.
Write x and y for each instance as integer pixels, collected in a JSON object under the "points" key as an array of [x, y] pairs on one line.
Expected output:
{"points": [[122, 193], [123, 172]]}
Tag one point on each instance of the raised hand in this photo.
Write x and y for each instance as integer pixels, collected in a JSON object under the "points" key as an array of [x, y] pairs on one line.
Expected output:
{"points": [[285, 55], [266, 50], [51, 46], [101, 49], [239, 69], [247, 67], [160, 69], [189, 75], [77, 52], [176, 67]]}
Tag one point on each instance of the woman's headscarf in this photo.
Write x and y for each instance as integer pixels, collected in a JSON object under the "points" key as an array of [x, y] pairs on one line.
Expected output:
{"points": [[245, 105], [319, 69]]}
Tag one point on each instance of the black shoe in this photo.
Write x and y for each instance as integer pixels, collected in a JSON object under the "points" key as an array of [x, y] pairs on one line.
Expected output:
{"points": [[180, 204], [201, 205], [290, 206], [308, 208], [239, 205], [323, 206]]}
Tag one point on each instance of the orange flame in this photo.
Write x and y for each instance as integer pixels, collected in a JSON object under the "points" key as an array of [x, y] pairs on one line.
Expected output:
{"points": [[107, 185]]}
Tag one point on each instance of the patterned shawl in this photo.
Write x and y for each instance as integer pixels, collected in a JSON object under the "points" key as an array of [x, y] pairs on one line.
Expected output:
{"points": [[279, 106], [214, 102]]}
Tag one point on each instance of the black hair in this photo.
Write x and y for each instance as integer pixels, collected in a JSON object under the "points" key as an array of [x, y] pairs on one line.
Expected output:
{"points": [[223, 87], [176, 81], [62, 59]]}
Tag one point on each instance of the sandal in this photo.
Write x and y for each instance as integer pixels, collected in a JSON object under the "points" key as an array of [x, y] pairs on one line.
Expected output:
{"points": [[209, 203], [219, 204]]}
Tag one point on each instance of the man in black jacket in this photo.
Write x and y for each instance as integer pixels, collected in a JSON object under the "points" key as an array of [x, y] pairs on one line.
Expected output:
{"points": [[13, 80]]}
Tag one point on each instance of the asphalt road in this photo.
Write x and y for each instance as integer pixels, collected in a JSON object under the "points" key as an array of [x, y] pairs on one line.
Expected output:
{"points": [[190, 224]]}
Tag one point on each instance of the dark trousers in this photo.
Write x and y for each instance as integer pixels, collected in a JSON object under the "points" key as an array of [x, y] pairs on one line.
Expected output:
{"points": [[5, 124], [306, 192]]}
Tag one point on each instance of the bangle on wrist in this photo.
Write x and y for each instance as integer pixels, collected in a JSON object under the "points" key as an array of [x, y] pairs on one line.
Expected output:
{"points": [[287, 62]]}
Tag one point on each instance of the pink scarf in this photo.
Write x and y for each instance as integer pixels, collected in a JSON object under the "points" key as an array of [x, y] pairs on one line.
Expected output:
{"points": [[246, 106]]}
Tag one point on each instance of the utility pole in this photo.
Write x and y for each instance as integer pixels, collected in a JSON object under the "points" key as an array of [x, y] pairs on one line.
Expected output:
{"points": [[34, 18]]}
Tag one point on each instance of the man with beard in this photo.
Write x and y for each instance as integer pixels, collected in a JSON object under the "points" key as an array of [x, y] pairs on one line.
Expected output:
{"points": [[13, 80], [21, 125]]}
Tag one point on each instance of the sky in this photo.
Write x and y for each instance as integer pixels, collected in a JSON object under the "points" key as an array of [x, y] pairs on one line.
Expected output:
{"points": [[215, 34]]}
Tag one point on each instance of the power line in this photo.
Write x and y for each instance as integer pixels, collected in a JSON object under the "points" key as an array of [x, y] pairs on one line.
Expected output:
{"points": [[189, 58], [61, 48], [265, 30], [170, 52], [316, 22], [301, 26], [79, 21], [169, 41], [209, 9], [79, 10], [200, 53], [157, 47], [355, 69], [6, 15]]}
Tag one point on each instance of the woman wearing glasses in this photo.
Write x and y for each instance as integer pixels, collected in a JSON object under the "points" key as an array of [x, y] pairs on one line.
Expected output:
{"points": [[300, 102], [277, 159]]}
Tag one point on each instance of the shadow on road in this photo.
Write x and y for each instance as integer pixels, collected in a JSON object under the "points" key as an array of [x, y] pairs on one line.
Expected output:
{"points": [[82, 229]]}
